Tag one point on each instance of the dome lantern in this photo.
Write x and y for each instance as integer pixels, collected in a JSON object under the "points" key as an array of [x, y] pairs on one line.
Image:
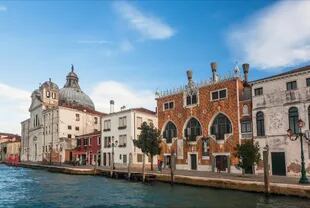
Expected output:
{"points": [[72, 95]]}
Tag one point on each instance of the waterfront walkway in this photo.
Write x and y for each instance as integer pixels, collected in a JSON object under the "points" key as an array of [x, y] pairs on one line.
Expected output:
{"points": [[254, 183]]}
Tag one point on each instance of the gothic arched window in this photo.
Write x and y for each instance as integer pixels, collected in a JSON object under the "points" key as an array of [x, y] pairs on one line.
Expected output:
{"points": [[293, 119], [221, 126], [170, 132], [260, 123], [193, 129]]}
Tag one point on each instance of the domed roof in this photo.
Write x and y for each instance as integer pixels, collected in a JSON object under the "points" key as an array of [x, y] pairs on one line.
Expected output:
{"points": [[71, 93], [49, 84]]}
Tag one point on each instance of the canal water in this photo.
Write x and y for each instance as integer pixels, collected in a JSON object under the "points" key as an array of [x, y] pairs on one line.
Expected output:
{"points": [[21, 187]]}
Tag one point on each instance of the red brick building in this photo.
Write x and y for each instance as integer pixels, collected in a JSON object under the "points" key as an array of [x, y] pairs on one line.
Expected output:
{"points": [[202, 123], [88, 149]]}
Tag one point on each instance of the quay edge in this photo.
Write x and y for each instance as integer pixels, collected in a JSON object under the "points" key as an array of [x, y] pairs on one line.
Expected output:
{"points": [[222, 183]]}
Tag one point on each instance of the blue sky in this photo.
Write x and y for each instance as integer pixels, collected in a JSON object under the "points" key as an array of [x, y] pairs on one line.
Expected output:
{"points": [[125, 50]]}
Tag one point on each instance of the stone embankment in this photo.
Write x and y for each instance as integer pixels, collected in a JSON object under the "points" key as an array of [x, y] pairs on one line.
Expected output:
{"points": [[251, 184]]}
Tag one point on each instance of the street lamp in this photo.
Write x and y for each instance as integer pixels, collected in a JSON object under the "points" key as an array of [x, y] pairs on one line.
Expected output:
{"points": [[303, 179]]}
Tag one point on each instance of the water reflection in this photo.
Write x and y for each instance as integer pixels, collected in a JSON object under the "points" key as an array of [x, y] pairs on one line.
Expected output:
{"points": [[36, 188]]}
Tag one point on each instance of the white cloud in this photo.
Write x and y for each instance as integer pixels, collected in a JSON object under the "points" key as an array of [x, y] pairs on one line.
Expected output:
{"points": [[13, 108], [278, 36], [149, 26], [122, 94], [3, 8]]}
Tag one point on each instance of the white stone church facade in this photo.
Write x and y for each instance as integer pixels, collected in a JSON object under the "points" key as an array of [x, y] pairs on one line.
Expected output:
{"points": [[56, 117]]}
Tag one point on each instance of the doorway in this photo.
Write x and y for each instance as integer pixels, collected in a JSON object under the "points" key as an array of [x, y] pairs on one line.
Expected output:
{"points": [[193, 161], [278, 163], [167, 161], [221, 162]]}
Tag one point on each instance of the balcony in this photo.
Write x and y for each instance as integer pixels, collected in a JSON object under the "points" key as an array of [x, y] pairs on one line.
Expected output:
{"points": [[122, 127], [122, 145], [291, 96], [281, 97]]}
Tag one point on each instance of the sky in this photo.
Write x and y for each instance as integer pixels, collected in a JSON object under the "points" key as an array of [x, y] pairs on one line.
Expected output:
{"points": [[127, 50]]}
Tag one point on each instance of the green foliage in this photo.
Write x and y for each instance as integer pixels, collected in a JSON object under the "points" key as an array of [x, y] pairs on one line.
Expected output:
{"points": [[149, 140], [248, 154]]}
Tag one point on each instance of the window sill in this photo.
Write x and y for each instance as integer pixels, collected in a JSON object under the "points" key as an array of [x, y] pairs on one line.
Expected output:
{"points": [[105, 130], [260, 137], [205, 158], [220, 141], [191, 106], [122, 127], [220, 99]]}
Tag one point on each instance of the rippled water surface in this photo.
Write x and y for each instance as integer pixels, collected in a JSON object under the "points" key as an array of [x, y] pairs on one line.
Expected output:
{"points": [[21, 187]]}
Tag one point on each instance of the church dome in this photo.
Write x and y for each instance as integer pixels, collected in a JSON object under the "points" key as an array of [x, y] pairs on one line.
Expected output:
{"points": [[50, 85], [72, 95]]}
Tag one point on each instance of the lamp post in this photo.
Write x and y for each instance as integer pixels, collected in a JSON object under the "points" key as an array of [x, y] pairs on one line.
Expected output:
{"points": [[303, 179]]}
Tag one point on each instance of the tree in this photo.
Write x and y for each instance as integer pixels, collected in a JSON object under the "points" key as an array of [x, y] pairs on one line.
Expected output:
{"points": [[148, 141], [248, 154]]}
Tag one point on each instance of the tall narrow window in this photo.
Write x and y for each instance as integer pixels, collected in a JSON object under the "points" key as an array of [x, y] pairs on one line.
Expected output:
{"points": [[221, 126], [260, 124], [170, 132], [309, 116], [291, 85], [77, 117], [193, 129], [191, 99], [293, 119]]}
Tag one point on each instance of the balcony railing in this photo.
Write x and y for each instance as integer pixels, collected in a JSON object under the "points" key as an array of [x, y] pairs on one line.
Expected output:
{"points": [[282, 97]]}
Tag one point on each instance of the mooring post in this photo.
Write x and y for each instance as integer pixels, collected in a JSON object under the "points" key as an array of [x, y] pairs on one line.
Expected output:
{"points": [[172, 168], [129, 166], [266, 169]]}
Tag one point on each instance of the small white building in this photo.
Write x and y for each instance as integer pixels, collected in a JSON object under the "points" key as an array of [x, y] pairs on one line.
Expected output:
{"points": [[56, 117], [121, 128], [278, 102]]}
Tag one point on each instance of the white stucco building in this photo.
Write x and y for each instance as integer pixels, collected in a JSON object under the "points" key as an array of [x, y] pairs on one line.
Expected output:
{"points": [[278, 102], [121, 128], [56, 117]]}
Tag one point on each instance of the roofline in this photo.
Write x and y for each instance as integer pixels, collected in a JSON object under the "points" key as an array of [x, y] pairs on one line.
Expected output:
{"points": [[141, 110], [96, 133], [300, 70]]}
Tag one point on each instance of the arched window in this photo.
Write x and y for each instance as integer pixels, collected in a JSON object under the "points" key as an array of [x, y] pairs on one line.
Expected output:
{"points": [[293, 119], [260, 124], [221, 126], [170, 132], [192, 130]]}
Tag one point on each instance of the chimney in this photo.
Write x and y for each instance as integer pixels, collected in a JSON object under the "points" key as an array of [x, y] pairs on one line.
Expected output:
{"points": [[246, 71], [189, 75], [214, 67], [111, 106]]}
